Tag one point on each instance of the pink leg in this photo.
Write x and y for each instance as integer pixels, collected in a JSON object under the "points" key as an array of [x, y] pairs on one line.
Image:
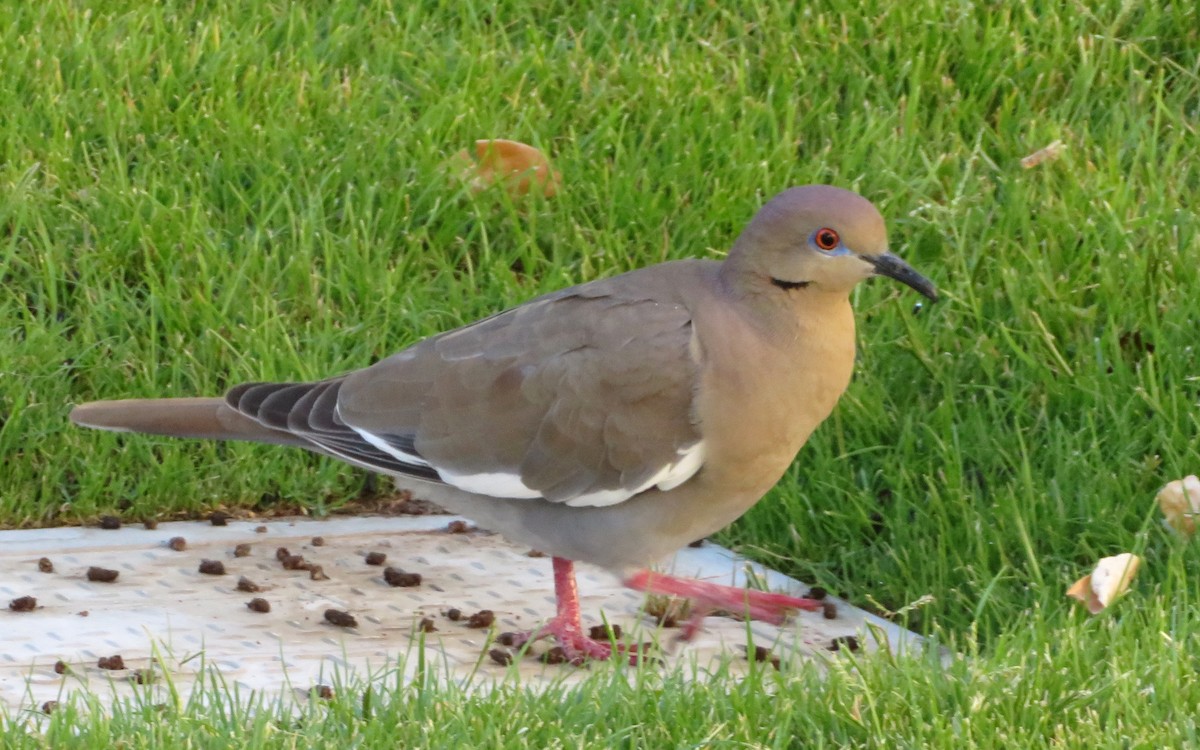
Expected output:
{"points": [[758, 605], [567, 627]]}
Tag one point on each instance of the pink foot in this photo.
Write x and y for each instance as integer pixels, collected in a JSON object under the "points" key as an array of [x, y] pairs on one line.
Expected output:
{"points": [[706, 597], [567, 627], [577, 648]]}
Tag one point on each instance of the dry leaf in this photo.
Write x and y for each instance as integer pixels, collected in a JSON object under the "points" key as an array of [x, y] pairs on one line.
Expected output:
{"points": [[1180, 503], [520, 168], [1049, 153], [1108, 581]]}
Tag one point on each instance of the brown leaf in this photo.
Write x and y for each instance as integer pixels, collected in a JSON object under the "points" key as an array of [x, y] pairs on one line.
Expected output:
{"points": [[1047, 153], [1180, 503], [1108, 581], [518, 167]]}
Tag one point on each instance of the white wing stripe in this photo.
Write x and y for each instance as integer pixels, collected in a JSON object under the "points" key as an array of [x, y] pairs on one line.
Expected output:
{"points": [[495, 484], [689, 461], [506, 484], [390, 449], [601, 498]]}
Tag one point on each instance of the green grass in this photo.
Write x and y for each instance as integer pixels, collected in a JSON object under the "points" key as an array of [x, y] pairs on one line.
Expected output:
{"points": [[194, 195]]}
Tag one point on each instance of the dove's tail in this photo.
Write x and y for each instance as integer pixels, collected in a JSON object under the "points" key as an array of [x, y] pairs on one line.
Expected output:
{"points": [[203, 418]]}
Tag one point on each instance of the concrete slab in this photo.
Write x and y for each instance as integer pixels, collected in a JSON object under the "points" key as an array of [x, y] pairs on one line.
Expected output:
{"points": [[162, 613]]}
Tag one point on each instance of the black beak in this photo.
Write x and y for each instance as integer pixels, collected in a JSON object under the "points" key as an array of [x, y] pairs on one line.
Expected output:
{"points": [[891, 266]]}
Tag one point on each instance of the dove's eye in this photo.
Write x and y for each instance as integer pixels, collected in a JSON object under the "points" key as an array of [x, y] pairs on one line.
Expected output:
{"points": [[826, 239]]}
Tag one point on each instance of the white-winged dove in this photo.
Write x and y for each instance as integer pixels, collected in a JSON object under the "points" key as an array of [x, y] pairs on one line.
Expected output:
{"points": [[611, 422]]}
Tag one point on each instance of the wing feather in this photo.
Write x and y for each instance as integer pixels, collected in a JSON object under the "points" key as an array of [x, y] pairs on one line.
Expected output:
{"points": [[583, 397]]}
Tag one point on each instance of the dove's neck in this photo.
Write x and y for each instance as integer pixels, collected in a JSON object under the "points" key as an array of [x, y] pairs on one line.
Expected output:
{"points": [[775, 362], [788, 312]]}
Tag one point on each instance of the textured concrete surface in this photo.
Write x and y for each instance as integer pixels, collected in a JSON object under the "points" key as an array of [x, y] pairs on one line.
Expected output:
{"points": [[162, 614]]}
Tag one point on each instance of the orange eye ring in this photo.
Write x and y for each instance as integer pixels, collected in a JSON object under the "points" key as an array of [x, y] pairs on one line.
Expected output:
{"points": [[826, 239]]}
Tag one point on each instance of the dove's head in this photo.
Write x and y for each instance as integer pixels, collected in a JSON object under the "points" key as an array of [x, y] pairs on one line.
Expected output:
{"points": [[822, 238]]}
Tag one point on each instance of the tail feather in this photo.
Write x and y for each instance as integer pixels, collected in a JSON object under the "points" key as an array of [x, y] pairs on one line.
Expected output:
{"points": [[204, 418]]}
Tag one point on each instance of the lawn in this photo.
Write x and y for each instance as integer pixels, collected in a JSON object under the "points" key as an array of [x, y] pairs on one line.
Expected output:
{"points": [[197, 194]]}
